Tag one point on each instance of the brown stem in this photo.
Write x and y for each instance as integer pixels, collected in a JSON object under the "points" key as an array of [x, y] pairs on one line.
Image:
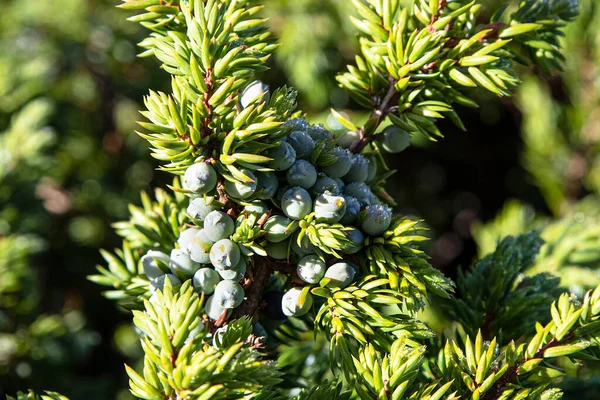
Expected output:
{"points": [[258, 277]]}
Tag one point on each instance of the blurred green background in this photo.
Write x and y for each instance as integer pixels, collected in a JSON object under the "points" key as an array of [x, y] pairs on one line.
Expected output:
{"points": [[70, 162]]}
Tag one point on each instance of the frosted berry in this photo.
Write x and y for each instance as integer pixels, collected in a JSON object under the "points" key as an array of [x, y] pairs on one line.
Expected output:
{"points": [[150, 263], [356, 238], [311, 269], [159, 283], [395, 139], [276, 228], [266, 185], [235, 273], [205, 280], [200, 178], [290, 303], [282, 156], [376, 219], [302, 143], [225, 254], [318, 133], [228, 294], [296, 124], [302, 174], [200, 207], [186, 236], [256, 91], [349, 139], [341, 274], [341, 166], [359, 171], [242, 190], [329, 208], [296, 203], [361, 192], [352, 210], [199, 247], [218, 225], [213, 309], [256, 208], [326, 183], [181, 264]]}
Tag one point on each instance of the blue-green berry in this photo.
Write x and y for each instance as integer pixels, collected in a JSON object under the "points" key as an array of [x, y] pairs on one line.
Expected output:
{"points": [[276, 228], [356, 238], [279, 250], [213, 309], [282, 156], [199, 247], [311, 269], [359, 171], [200, 207], [151, 263], [302, 174], [360, 191], [326, 183], [200, 178], [376, 219], [256, 208], [218, 225], [290, 303], [352, 210], [225, 254], [181, 264], [329, 208], [395, 139], [341, 274], [349, 139], [341, 166], [318, 133], [296, 124], [186, 236], [372, 173], [267, 185], [242, 190], [302, 247], [236, 273], [159, 283], [205, 280], [302, 143], [296, 203], [229, 294], [255, 92]]}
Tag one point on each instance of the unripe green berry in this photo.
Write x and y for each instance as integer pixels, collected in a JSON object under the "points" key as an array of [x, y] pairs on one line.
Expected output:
{"points": [[236, 273], [395, 139], [302, 174], [304, 247], [225, 254], [200, 178], [267, 185], [341, 274], [282, 157], [311, 269], [205, 280], [255, 92], [213, 309], [296, 203], [329, 208], [229, 294], [199, 247], [200, 207], [372, 173], [352, 210], [290, 303], [182, 265], [278, 251], [359, 171], [256, 208], [349, 139], [302, 143], [218, 225], [376, 219], [341, 166], [150, 262], [276, 228], [242, 190]]}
